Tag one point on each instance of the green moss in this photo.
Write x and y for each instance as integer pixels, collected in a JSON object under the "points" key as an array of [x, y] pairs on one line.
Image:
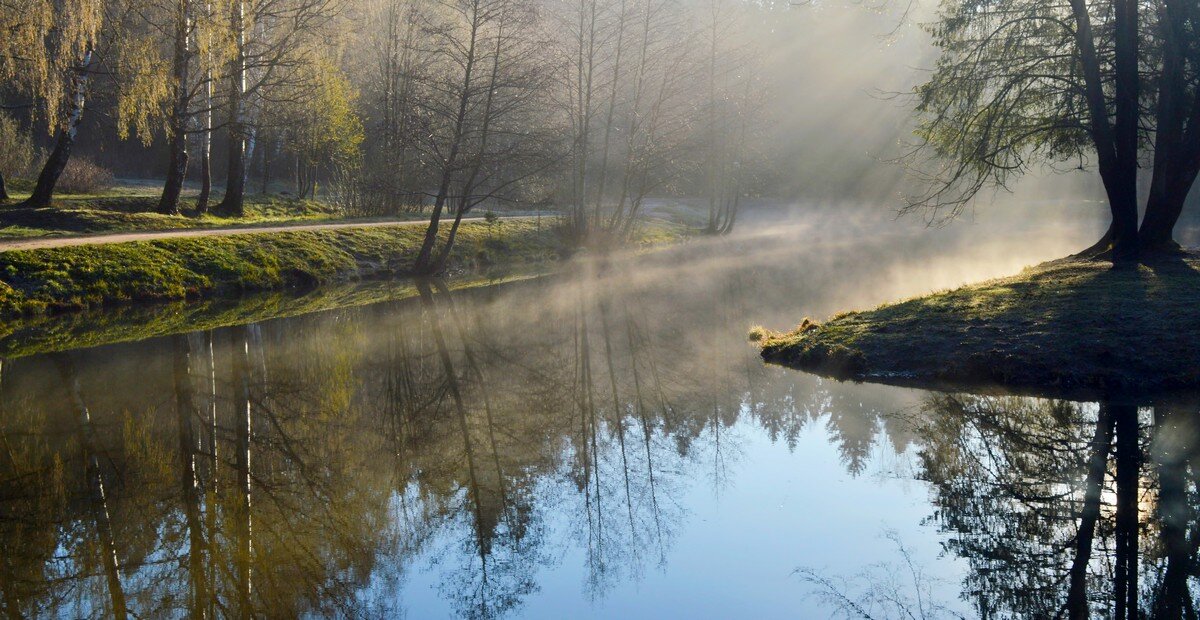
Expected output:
{"points": [[1062, 327], [74, 277]]}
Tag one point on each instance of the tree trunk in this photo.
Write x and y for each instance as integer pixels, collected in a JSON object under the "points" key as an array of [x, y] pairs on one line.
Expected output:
{"points": [[1173, 153], [3, 187], [206, 136], [232, 205], [1117, 161], [1124, 199], [168, 203], [1128, 466], [1077, 602], [424, 263], [57, 161]]}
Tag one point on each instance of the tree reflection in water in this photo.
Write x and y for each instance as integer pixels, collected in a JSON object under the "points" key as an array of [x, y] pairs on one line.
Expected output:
{"points": [[1066, 510], [311, 465]]}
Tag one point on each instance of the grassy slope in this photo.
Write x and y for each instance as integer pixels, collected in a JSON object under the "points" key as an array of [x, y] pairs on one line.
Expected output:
{"points": [[36, 281], [32, 281], [1066, 327], [123, 211]]}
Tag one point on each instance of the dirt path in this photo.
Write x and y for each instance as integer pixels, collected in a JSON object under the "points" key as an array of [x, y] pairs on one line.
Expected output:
{"points": [[149, 235]]}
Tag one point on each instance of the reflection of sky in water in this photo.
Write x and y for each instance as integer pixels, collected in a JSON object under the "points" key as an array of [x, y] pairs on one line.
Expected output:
{"points": [[738, 544], [365, 486]]}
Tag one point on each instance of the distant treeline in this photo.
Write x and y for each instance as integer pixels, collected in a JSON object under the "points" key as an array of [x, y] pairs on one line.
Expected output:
{"points": [[388, 105]]}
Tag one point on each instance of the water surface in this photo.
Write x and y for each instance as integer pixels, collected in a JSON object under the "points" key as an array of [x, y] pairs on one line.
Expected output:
{"points": [[601, 442]]}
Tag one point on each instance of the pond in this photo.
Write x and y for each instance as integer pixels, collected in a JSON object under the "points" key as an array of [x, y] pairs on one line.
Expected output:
{"points": [[599, 442]]}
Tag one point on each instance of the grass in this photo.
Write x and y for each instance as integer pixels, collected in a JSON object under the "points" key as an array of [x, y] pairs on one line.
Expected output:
{"points": [[1068, 327], [69, 278], [125, 210]]}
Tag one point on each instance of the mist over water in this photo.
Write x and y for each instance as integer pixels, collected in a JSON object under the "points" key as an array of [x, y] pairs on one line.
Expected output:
{"points": [[599, 442]]}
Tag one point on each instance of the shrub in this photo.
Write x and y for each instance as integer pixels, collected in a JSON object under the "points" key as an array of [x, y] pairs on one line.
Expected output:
{"points": [[84, 176], [17, 153]]}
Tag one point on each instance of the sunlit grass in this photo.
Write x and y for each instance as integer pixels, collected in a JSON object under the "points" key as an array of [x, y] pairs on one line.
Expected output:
{"points": [[49, 279], [1061, 326]]}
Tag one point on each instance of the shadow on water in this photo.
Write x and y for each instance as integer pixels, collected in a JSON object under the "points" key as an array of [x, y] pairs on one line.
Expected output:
{"points": [[459, 452]]}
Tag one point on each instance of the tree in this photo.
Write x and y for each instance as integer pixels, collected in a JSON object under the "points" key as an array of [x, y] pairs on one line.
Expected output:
{"points": [[626, 100], [264, 47], [1022, 83], [731, 102], [47, 53], [322, 125], [181, 98], [206, 129], [476, 106]]}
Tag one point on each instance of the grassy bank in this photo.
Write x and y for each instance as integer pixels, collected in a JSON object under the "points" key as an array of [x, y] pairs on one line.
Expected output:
{"points": [[1062, 328], [54, 279], [127, 211]]}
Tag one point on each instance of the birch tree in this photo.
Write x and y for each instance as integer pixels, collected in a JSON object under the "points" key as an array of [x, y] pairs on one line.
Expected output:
{"points": [[47, 53], [265, 44]]}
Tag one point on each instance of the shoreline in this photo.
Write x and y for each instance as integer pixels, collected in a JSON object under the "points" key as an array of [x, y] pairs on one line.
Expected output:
{"points": [[49, 281], [1067, 328]]}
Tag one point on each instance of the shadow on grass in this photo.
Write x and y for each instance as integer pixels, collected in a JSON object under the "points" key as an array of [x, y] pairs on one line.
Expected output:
{"points": [[1063, 328]]}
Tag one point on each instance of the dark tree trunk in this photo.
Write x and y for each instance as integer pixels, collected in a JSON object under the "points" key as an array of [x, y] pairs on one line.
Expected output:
{"points": [[168, 203], [1077, 601], [1128, 461], [439, 263], [1175, 152], [424, 264], [1123, 197], [3, 188], [232, 204], [425, 258], [52, 170], [1116, 153]]}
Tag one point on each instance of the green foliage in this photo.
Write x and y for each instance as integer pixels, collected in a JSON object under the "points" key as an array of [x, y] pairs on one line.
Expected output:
{"points": [[1005, 96], [17, 153]]}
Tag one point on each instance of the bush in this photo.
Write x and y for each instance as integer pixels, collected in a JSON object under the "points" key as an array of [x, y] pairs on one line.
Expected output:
{"points": [[17, 153], [84, 176]]}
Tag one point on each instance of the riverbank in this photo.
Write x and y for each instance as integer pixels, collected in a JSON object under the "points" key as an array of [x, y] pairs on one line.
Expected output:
{"points": [[1067, 327], [132, 209], [67, 278]]}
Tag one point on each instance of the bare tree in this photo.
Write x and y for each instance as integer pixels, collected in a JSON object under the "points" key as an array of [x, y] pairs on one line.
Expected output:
{"points": [[486, 76]]}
